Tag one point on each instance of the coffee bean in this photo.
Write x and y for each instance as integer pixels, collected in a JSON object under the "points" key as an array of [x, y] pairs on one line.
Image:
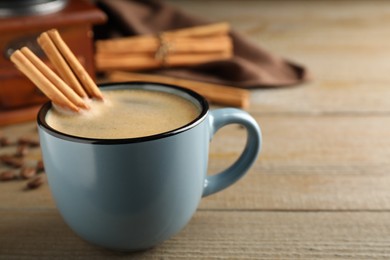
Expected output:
{"points": [[36, 182], [22, 150], [5, 141], [12, 161], [28, 141], [28, 172], [40, 167], [7, 175]]}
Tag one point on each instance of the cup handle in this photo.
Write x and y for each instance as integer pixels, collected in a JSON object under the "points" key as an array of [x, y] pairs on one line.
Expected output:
{"points": [[218, 119]]}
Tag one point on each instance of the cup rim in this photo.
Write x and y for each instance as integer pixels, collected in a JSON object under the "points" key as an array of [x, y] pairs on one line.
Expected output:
{"points": [[185, 93]]}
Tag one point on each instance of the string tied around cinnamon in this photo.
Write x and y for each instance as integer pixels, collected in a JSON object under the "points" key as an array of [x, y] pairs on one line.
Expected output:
{"points": [[165, 48]]}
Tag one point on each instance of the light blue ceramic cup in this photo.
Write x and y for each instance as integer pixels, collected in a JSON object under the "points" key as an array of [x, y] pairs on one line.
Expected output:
{"points": [[132, 194]]}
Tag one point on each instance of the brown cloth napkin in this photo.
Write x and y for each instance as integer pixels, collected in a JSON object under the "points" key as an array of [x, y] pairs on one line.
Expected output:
{"points": [[250, 67]]}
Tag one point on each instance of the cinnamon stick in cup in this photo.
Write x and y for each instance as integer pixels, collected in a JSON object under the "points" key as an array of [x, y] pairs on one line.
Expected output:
{"points": [[60, 64], [57, 81], [54, 87], [41, 81], [78, 70]]}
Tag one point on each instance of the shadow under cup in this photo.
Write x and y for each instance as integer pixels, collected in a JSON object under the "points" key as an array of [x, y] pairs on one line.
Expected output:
{"points": [[134, 193]]}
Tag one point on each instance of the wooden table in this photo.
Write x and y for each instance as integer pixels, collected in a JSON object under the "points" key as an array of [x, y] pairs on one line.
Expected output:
{"points": [[321, 187]]}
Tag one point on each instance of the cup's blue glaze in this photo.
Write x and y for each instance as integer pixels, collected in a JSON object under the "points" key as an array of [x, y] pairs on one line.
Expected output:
{"points": [[132, 194]]}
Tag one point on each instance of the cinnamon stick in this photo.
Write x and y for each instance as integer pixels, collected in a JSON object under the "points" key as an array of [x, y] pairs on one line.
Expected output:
{"points": [[79, 71], [219, 94], [60, 64], [54, 79], [38, 78], [148, 44], [133, 62], [201, 31]]}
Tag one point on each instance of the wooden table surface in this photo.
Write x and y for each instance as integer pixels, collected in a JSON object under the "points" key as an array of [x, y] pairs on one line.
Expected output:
{"points": [[321, 187]]}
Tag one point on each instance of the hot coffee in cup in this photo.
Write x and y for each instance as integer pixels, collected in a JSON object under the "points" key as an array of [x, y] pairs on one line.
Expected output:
{"points": [[133, 188], [127, 113]]}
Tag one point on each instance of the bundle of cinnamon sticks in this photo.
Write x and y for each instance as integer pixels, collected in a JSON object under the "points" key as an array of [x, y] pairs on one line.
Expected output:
{"points": [[181, 47], [75, 85]]}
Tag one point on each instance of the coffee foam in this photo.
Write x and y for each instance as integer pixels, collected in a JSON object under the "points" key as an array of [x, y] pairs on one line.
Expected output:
{"points": [[126, 114]]}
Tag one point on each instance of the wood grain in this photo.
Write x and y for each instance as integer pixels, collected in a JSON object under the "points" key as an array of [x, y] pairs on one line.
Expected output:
{"points": [[213, 235], [320, 188], [295, 192]]}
